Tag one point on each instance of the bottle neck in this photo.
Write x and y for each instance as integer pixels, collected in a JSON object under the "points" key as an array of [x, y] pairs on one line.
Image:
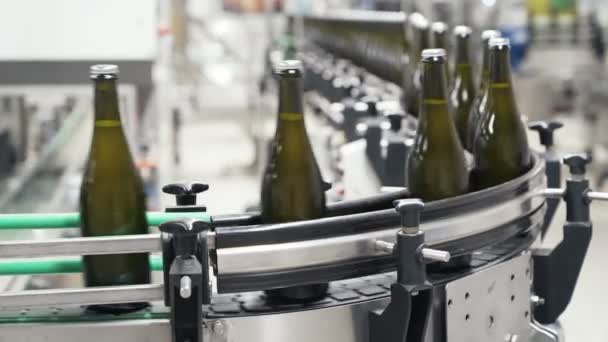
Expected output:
{"points": [[290, 99], [463, 70], [106, 102], [500, 67], [434, 106], [485, 65]]}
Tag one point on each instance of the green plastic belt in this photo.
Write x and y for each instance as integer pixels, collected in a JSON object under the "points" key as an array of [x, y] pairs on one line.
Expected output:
{"points": [[56, 266], [72, 220]]}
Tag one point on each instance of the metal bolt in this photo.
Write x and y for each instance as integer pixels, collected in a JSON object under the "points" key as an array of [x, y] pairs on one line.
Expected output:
{"points": [[536, 300], [435, 255], [384, 246], [218, 328], [185, 287], [512, 338], [553, 193]]}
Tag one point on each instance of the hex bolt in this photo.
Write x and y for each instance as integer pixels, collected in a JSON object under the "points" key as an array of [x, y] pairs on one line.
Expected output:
{"points": [[218, 328]]}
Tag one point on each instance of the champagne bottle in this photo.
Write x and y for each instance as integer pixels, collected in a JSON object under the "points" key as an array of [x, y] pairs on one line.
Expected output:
{"points": [[436, 164], [481, 99], [421, 41], [462, 92], [292, 187], [501, 144], [439, 33], [112, 196]]}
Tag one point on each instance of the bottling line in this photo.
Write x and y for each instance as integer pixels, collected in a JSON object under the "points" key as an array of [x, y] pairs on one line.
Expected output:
{"points": [[466, 268]]}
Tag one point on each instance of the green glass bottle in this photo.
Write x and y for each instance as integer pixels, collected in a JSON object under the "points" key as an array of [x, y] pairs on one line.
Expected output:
{"points": [[481, 98], [292, 187], [419, 28], [112, 196], [440, 40], [501, 145], [436, 164], [462, 92]]}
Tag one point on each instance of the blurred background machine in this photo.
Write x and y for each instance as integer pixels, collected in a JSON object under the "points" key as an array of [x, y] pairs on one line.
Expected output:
{"points": [[199, 103]]}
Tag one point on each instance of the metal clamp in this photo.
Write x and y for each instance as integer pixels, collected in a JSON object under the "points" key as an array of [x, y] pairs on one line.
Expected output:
{"points": [[185, 196], [411, 292], [556, 270], [553, 166], [186, 273]]}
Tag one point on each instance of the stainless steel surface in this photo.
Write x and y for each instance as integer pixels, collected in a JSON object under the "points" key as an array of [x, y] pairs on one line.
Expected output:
{"points": [[88, 296], [435, 255], [544, 334], [491, 305], [553, 193], [595, 195], [81, 246], [275, 257]]}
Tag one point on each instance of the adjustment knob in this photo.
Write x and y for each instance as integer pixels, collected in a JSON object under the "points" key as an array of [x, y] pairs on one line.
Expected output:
{"points": [[184, 232], [396, 120], [371, 101], [185, 193], [545, 130], [410, 210], [577, 163]]}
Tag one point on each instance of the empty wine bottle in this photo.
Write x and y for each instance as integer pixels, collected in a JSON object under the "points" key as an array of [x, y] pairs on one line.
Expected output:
{"points": [[436, 166], [501, 144], [112, 196], [440, 40], [419, 28], [292, 187], [462, 92], [481, 97]]}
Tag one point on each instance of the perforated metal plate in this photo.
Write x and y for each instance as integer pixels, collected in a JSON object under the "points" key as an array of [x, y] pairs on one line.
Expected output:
{"points": [[491, 305]]}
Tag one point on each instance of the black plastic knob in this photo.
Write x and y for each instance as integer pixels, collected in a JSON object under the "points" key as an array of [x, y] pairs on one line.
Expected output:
{"points": [[371, 101], [185, 234], [577, 163], [545, 130], [410, 210], [185, 193], [396, 120]]}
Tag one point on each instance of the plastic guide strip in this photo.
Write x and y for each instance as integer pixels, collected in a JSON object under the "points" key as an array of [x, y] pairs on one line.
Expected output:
{"points": [[72, 220]]}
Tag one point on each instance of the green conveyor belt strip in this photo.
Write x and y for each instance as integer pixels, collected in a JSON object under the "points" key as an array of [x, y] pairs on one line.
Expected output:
{"points": [[72, 220]]}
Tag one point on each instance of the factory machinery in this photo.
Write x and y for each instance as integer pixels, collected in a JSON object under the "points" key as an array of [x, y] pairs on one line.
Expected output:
{"points": [[461, 269]]}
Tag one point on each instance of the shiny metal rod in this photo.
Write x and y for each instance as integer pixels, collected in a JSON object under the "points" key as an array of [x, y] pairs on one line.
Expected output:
{"points": [[596, 195], [436, 255], [553, 193], [81, 246], [83, 296]]}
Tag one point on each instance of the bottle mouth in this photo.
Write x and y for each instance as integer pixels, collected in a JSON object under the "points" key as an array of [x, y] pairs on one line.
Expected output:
{"points": [[462, 31], [289, 67], [489, 34], [439, 27], [104, 69], [499, 43], [433, 55]]}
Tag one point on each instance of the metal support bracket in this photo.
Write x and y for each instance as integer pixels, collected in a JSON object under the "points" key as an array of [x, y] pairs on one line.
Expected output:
{"points": [[556, 270], [186, 277], [412, 291]]}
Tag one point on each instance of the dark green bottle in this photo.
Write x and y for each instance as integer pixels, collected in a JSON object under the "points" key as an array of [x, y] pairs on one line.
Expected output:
{"points": [[462, 92], [111, 196], [419, 28], [292, 187], [481, 98], [501, 144], [436, 164], [440, 38]]}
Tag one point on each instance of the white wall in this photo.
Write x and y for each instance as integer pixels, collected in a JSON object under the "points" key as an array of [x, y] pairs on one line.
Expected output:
{"points": [[77, 29]]}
